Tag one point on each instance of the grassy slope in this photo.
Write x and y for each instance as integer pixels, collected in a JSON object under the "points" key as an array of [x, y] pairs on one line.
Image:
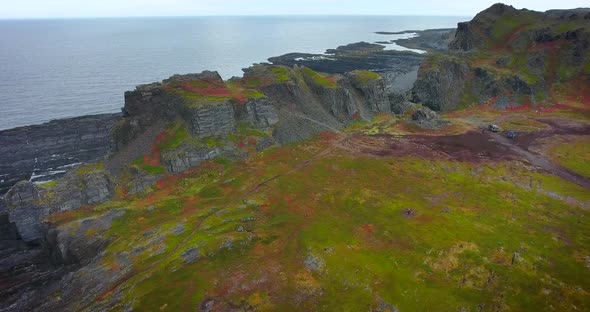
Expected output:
{"points": [[488, 233], [572, 153]]}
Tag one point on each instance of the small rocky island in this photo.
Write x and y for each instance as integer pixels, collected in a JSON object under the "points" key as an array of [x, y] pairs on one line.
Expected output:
{"points": [[360, 179]]}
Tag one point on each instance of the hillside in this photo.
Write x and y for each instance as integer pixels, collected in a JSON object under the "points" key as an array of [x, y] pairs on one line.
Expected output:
{"points": [[511, 58]]}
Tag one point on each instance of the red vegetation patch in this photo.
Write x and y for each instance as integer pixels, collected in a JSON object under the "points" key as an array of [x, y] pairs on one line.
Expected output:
{"points": [[190, 206], [368, 228], [505, 43], [526, 107], [328, 136], [332, 79], [153, 159], [553, 108], [546, 45], [209, 90]]}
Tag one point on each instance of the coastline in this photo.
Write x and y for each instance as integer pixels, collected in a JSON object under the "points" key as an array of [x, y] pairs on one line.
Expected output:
{"points": [[44, 152]]}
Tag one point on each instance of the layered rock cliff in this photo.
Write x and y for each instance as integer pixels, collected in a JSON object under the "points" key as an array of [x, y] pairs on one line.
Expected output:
{"points": [[45, 152], [507, 58], [176, 124]]}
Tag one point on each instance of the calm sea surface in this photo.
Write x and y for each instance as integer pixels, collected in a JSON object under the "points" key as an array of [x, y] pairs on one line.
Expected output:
{"points": [[64, 68]]}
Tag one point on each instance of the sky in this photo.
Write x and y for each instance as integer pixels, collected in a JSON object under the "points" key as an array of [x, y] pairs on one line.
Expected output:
{"points": [[10, 9]]}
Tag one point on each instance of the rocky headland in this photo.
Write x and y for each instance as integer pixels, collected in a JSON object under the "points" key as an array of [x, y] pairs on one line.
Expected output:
{"points": [[507, 58], [426, 40]]}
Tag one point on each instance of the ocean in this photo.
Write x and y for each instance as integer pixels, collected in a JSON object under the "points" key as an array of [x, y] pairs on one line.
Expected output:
{"points": [[53, 69]]}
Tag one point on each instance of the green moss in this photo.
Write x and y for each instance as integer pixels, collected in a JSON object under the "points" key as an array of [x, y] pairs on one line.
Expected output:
{"points": [[213, 142], [519, 64], [320, 79], [152, 170], [245, 129], [177, 135], [281, 74], [468, 97], [253, 82], [196, 100], [90, 168], [509, 24], [365, 76], [587, 65], [565, 26], [49, 185], [253, 94]]}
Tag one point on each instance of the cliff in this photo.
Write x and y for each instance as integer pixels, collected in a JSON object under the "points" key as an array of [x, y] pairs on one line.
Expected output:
{"points": [[176, 124], [45, 152], [507, 58]]}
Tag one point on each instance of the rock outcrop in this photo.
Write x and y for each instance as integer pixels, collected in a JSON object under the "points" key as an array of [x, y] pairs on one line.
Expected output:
{"points": [[269, 105], [78, 274], [28, 204], [26, 211], [506, 58], [78, 189], [81, 241]]}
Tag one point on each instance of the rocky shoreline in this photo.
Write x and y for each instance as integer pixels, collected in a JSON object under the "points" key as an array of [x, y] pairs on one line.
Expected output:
{"points": [[45, 152]]}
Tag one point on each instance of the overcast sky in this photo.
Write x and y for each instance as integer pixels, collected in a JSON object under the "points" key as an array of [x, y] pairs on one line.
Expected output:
{"points": [[109, 8]]}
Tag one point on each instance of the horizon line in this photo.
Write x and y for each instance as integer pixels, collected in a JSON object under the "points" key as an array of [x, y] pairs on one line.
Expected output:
{"points": [[228, 15]]}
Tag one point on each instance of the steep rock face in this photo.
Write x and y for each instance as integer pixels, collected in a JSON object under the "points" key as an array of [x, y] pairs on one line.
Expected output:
{"points": [[222, 119], [82, 240], [185, 157], [47, 151], [373, 89], [78, 189], [211, 120], [78, 247], [144, 106], [25, 210], [294, 103], [28, 204], [8, 230], [441, 86], [465, 39]]}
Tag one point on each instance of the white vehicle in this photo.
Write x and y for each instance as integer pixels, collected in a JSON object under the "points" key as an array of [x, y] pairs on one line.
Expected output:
{"points": [[494, 128]]}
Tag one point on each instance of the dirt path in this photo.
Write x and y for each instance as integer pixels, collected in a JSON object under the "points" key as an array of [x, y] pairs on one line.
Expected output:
{"points": [[540, 161]]}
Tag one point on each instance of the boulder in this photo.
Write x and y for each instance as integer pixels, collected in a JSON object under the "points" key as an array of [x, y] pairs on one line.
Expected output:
{"points": [[78, 189], [424, 115], [428, 119], [82, 240], [25, 210]]}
